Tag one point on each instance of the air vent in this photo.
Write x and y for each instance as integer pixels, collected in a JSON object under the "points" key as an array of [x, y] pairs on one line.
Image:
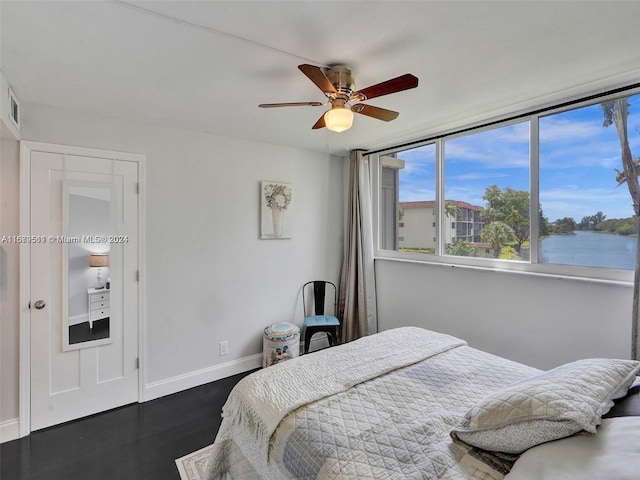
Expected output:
{"points": [[14, 112]]}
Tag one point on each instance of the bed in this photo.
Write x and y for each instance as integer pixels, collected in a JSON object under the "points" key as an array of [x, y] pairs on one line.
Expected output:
{"points": [[409, 403]]}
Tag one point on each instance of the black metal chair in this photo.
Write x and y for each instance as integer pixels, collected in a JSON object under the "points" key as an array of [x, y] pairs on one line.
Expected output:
{"points": [[315, 320]]}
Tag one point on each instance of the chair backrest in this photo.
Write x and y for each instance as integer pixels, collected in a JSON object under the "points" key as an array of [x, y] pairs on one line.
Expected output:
{"points": [[319, 290]]}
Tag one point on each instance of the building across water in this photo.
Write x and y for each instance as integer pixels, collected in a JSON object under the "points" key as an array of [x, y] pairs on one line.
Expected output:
{"points": [[418, 223]]}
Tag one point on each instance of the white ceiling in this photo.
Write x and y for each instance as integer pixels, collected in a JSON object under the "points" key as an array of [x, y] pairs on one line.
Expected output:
{"points": [[206, 65]]}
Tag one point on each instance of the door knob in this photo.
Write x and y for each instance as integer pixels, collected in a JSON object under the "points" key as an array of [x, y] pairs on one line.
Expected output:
{"points": [[39, 305]]}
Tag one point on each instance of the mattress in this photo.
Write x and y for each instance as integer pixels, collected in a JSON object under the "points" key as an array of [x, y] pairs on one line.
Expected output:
{"points": [[382, 407]]}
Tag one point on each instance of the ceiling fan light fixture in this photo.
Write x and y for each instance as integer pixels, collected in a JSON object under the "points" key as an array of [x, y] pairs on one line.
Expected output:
{"points": [[338, 85], [338, 119]]}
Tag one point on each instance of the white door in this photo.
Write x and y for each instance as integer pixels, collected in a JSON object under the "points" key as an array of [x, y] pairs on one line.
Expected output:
{"points": [[82, 205]]}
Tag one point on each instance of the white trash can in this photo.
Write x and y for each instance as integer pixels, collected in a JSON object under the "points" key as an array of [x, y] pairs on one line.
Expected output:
{"points": [[281, 342]]}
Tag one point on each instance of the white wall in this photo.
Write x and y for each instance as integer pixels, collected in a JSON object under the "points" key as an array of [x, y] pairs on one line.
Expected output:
{"points": [[208, 276], [9, 291], [540, 321], [5, 109]]}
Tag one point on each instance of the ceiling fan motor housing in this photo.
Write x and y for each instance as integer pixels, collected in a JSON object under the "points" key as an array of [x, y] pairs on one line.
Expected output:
{"points": [[343, 81]]}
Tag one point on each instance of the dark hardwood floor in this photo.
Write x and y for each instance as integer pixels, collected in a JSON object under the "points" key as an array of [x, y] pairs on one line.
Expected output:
{"points": [[83, 333], [136, 442]]}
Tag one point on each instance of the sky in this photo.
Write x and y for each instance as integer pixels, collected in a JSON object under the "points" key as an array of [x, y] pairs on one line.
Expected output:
{"points": [[578, 158]]}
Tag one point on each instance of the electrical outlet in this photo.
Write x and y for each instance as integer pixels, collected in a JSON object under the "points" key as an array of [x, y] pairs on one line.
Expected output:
{"points": [[224, 348]]}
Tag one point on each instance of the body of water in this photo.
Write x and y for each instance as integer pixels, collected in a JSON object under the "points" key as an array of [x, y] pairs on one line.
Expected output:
{"points": [[590, 249]]}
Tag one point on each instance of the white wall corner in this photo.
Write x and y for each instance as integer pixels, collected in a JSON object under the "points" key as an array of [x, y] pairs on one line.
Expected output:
{"points": [[200, 377]]}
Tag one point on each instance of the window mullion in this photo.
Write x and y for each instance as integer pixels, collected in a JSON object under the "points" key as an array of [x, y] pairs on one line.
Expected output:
{"points": [[440, 198], [534, 189]]}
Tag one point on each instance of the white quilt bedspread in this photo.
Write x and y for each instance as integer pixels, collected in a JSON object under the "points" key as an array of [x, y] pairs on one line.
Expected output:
{"points": [[379, 408], [263, 399]]}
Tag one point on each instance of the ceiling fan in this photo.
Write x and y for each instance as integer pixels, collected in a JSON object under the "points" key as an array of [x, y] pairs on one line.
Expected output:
{"points": [[338, 84]]}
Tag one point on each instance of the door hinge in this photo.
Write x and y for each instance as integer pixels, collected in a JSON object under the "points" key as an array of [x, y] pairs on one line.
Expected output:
{"points": [[138, 188], [138, 362], [137, 275]]}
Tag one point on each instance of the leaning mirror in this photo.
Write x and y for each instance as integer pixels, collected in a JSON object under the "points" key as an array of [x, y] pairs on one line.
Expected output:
{"points": [[87, 212]]}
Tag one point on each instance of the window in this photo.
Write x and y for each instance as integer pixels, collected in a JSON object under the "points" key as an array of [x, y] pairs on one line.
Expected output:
{"points": [[416, 181], [482, 204], [389, 203], [487, 191], [588, 216]]}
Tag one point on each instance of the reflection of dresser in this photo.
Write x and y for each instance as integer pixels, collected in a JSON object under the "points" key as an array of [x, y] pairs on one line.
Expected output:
{"points": [[98, 304]]}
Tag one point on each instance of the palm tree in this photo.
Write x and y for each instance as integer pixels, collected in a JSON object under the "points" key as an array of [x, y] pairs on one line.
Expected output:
{"points": [[616, 112], [451, 209], [621, 177]]}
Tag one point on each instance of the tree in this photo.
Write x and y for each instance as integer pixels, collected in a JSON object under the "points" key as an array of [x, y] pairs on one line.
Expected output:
{"points": [[497, 234], [597, 219], [625, 229], [564, 225], [584, 223], [543, 224], [616, 112], [592, 222], [510, 207], [461, 248], [451, 209]]}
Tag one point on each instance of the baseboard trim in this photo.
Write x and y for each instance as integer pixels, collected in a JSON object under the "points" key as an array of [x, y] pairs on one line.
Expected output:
{"points": [[318, 342], [9, 430], [200, 377], [185, 381]]}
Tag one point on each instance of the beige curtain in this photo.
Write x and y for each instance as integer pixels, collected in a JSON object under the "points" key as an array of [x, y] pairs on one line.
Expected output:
{"points": [[357, 297]]}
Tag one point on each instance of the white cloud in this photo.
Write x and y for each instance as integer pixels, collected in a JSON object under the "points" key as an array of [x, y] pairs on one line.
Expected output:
{"points": [[559, 129], [477, 176], [578, 156], [577, 202], [465, 194]]}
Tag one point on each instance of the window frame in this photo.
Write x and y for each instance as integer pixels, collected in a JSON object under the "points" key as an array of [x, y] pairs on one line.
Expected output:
{"points": [[532, 266]]}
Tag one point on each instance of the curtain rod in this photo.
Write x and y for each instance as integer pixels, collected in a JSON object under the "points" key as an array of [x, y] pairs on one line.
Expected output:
{"points": [[507, 119]]}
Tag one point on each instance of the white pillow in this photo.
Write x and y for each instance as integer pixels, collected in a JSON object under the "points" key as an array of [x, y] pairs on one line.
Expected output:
{"points": [[555, 404], [612, 454]]}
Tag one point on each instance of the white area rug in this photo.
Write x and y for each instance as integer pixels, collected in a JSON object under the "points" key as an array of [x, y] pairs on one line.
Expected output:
{"points": [[194, 465]]}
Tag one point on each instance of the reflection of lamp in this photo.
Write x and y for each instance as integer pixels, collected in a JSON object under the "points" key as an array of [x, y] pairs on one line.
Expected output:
{"points": [[339, 118], [99, 260]]}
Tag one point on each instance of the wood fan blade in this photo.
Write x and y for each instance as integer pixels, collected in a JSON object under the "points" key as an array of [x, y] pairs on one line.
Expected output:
{"points": [[319, 124], [375, 112], [317, 76], [398, 84], [291, 104]]}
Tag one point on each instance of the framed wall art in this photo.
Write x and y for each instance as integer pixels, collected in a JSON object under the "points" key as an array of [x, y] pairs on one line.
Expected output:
{"points": [[277, 205]]}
